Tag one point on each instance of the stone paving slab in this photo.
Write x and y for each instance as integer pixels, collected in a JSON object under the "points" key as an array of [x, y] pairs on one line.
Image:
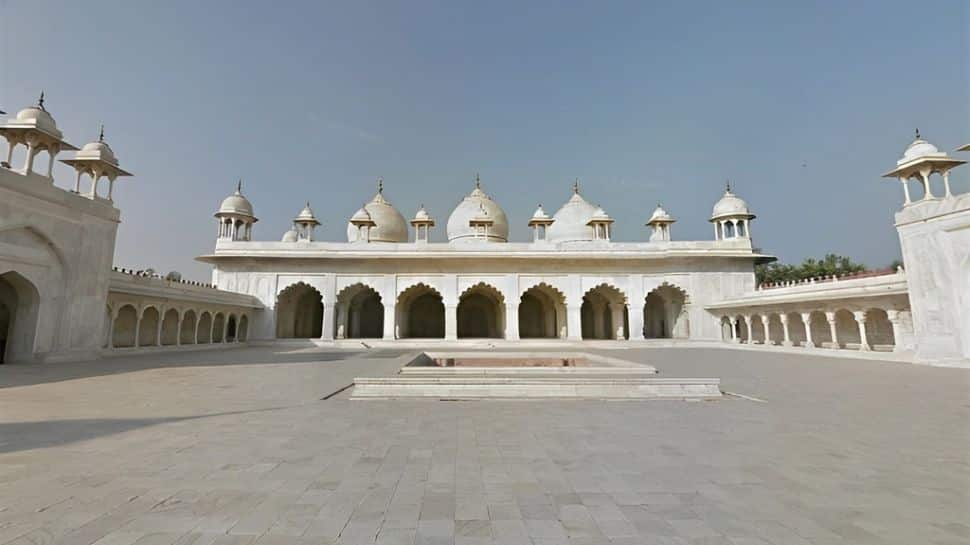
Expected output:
{"points": [[237, 448]]}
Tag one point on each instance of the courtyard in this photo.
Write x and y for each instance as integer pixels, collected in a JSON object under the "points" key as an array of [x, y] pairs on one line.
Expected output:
{"points": [[238, 447]]}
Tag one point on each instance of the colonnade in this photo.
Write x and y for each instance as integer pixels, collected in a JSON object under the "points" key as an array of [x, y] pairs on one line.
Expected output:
{"points": [[131, 325], [481, 311], [864, 329]]}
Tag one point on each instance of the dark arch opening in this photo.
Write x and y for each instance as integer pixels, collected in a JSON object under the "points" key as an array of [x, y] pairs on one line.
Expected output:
{"points": [[299, 312], [421, 313], [481, 313]]}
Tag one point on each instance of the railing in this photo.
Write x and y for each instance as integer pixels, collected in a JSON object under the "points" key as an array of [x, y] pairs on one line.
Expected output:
{"points": [[830, 278], [154, 275]]}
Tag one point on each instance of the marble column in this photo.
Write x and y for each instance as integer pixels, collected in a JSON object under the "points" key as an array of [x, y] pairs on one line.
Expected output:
{"points": [[512, 321], [747, 323], [390, 327], [833, 331], [784, 327], [574, 321], [735, 334], [860, 318], [451, 322], [894, 319], [807, 323]]}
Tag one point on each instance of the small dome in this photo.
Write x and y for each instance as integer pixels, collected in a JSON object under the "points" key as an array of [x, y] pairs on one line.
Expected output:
{"points": [[540, 214], [39, 117], [422, 215], [477, 205], [361, 215], [100, 150], [236, 204], [306, 215], [919, 148], [660, 216], [571, 222], [601, 215], [730, 205], [290, 236], [389, 224]]}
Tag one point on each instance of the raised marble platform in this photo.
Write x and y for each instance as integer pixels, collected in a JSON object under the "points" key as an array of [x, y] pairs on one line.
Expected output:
{"points": [[583, 376]]}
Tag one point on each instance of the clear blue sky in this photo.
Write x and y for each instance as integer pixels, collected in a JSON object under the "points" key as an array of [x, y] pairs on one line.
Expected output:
{"points": [[803, 105]]}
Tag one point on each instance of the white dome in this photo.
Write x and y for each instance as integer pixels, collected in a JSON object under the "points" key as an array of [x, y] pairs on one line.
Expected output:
{"points": [[39, 117], [730, 205], [919, 148], [660, 216], [472, 207], [100, 150], [570, 223], [290, 236], [236, 204], [540, 214], [389, 224], [422, 215], [306, 215]]}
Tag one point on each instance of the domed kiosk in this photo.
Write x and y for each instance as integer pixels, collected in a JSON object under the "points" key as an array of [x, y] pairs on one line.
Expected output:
{"points": [[377, 221], [478, 218]]}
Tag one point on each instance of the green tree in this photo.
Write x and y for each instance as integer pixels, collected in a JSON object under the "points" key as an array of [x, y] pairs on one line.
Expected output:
{"points": [[829, 265]]}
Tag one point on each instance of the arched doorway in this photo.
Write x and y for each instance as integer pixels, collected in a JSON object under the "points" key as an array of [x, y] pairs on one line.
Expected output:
{"points": [[542, 313], [243, 328], [743, 334], [218, 327], [776, 331], [796, 329], [299, 312], [727, 331], [360, 313], [420, 313], [481, 313], [170, 327], [231, 329], [187, 336], [148, 327], [603, 313], [879, 330], [19, 308], [847, 329], [821, 332], [204, 334], [665, 313], [124, 327]]}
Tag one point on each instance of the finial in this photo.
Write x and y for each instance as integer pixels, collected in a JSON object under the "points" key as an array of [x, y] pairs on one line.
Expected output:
{"points": [[727, 185], [239, 186], [308, 204], [40, 101], [917, 133], [576, 186], [380, 185], [478, 181], [101, 134]]}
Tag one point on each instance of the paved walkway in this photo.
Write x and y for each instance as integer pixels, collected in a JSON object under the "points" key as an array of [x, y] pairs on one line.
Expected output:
{"points": [[236, 448]]}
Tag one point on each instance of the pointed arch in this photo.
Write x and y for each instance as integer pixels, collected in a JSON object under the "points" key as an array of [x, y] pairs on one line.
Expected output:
{"points": [[204, 332], [360, 313], [170, 324], [542, 312], [299, 312], [218, 327], [148, 326], [665, 313], [19, 310], [481, 312], [420, 312], [232, 328], [603, 314], [243, 334], [187, 335]]}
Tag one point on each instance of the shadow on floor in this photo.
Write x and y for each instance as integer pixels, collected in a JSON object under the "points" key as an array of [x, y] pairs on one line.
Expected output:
{"points": [[19, 436], [28, 374]]}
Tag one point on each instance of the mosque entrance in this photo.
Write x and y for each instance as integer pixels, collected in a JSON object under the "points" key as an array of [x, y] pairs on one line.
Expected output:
{"points": [[603, 314], [542, 313], [421, 313], [481, 313], [665, 314], [299, 312], [19, 305], [360, 313]]}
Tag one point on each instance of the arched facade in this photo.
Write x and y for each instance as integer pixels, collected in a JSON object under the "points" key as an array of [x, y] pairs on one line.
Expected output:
{"points": [[218, 327], [187, 334], [481, 312], [542, 313], [170, 327], [299, 312], [360, 313], [148, 327], [665, 313], [204, 334], [603, 313], [19, 310], [420, 313]]}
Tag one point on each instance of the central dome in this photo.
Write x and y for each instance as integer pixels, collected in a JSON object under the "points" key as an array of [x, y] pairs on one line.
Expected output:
{"points": [[570, 223], [389, 224], [472, 207]]}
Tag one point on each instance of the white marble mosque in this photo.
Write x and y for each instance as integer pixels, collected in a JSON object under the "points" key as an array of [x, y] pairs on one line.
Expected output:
{"points": [[391, 282]]}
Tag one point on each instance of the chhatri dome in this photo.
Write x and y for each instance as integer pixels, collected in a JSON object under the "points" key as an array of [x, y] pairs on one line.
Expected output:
{"points": [[236, 203], [388, 224], [571, 222], [475, 206], [39, 118], [918, 148], [730, 205]]}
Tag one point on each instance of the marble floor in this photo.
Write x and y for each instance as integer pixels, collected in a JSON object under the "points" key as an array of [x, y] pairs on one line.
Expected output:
{"points": [[236, 447]]}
